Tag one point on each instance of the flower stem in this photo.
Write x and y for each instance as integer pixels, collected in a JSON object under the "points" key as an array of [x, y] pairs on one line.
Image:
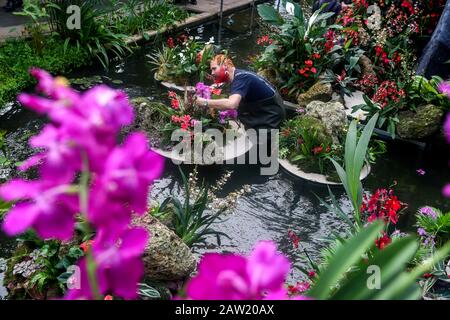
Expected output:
{"points": [[91, 269], [84, 200]]}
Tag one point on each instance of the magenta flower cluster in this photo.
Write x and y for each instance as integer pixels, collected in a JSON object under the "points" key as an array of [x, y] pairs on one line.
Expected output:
{"points": [[261, 275], [230, 114], [444, 88], [446, 190], [202, 90], [81, 140]]}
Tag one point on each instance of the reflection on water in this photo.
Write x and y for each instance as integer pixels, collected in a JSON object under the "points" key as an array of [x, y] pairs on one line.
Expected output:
{"points": [[276, 203]]}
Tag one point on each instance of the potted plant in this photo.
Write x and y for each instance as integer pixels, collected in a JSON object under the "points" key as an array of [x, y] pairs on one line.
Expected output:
{"points": [[183, 60], [186, 127], [295, 56], [307, 145]]}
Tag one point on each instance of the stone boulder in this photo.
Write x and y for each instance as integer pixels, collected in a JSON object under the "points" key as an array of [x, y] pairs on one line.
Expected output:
{"points": [[331, 114], [420, 124], [145, 113], [166, 257], [320, 91], [366, 65], [148, 118]]}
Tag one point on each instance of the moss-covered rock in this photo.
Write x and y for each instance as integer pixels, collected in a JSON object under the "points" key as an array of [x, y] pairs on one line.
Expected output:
{"points": [[320, 91], [420, 124], [166, 257], [270, 75], [331, 114], [148, 118]]}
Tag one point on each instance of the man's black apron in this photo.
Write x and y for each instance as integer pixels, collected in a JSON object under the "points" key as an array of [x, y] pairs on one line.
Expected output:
{"points": [[262, 114]]}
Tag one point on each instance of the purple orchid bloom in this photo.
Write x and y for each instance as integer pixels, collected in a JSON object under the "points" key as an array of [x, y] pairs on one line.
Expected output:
{"points": [[119, 267], [234, 277], [227, 115], [421, 232], [421, 172], [446, 190], [444, 88], [202, 90], [428, 211], [49, 208], [447, 128], [128, 172]]}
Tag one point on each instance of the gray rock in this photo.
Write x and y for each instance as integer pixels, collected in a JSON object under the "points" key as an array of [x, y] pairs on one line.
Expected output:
{"points": [[148, 119], [336, 97], [320, 91], [420, 124], [366, 65], [166, 257], [331, 114]]}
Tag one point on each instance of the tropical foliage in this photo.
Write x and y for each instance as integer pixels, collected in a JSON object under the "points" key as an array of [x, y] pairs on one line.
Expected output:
{"points": [[183, 61]]}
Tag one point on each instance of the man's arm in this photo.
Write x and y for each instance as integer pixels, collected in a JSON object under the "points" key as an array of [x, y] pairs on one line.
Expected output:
{"points": [[232, 102]]}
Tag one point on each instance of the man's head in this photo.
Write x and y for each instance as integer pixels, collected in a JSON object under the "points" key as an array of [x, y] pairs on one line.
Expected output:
{"points": [[221, 66]]}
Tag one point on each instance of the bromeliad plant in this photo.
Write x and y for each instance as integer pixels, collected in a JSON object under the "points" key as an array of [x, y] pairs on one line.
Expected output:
{"points": [[344, 275], [183, 61], [433, 226], [192, 222], [305, 143], [84, 172], [297, 53], [191, 218], [182, 114]]}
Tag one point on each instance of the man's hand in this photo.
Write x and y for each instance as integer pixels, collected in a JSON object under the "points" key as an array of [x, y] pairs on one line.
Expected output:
{"points": [[200, 102]]}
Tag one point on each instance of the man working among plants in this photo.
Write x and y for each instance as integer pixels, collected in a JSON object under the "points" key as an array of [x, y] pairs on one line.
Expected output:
{"points": [[258, 103]]}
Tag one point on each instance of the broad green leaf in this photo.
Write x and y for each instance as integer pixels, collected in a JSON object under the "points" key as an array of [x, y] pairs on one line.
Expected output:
{"points": [[346, 256], [398, 286], [361, 148], [353, 61], [391, 261], [270, 15]]}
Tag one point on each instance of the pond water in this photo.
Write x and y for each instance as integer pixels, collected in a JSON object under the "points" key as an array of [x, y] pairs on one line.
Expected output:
{"points": [[276, 203]]}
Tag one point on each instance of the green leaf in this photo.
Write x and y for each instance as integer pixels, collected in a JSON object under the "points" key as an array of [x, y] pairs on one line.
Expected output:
{"points": [[391, 261], [346, 256], [147, 291], [298, 157], [353, 61], [396, 288], [361, 148], [270, 15]]}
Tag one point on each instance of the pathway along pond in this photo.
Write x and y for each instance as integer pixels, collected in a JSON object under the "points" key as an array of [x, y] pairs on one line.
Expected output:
{"points": [[276, 203]]}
